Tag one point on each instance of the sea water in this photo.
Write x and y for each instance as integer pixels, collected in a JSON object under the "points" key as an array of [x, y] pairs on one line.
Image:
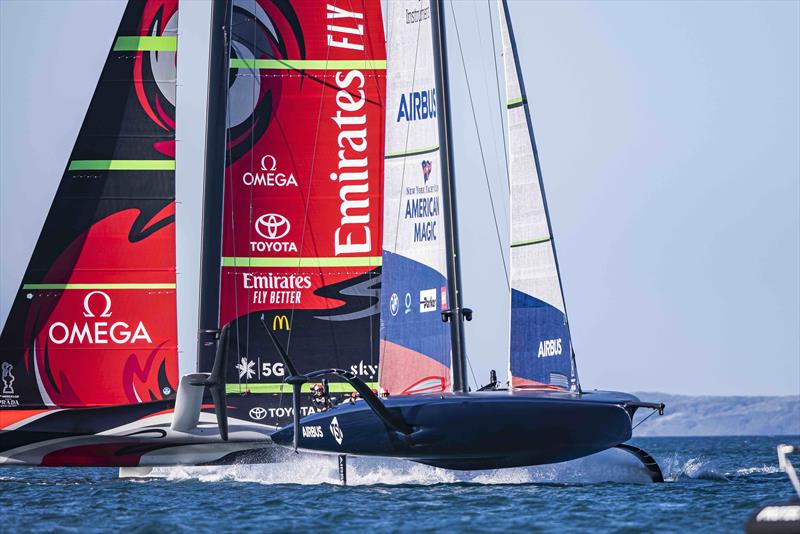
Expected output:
{"points": [[713, 484]]}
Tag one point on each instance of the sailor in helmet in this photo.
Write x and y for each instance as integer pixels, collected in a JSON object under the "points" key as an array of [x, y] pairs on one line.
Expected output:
{"points": [[320, 400]]}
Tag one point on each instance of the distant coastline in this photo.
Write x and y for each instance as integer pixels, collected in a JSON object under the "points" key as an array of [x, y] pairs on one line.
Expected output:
{"points": [[689, 415]]}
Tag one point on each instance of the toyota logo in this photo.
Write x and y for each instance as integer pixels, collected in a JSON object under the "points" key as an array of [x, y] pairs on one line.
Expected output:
{"points": [[272, 226], [258, 413]]}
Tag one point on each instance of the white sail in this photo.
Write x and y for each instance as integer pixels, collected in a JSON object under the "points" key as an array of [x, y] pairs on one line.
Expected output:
{"points": [[415, 343], [541, 353]]}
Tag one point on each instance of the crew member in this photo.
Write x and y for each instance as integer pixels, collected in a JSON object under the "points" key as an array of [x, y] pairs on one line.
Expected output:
{"points": [[319, 399]]}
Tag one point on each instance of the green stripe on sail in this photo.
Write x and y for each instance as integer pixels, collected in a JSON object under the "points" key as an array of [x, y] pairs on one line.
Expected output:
{"points": [[122, 165], [335, 387], [364, 261], [415, 152], [98, 286], [131, 43], [308, 64], [515, 102], [531, 242]]}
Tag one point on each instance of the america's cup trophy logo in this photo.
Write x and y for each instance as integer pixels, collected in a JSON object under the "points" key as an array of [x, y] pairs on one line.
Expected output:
{"points": [[7, 378]]}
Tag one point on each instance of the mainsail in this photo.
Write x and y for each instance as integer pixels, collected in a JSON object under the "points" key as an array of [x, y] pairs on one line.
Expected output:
{"points": [[94, 320], [415, 343], [541, 348], [302, 217]]}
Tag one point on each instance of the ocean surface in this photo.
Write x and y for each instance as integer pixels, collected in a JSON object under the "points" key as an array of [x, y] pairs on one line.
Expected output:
{"points": [[713, 484]]}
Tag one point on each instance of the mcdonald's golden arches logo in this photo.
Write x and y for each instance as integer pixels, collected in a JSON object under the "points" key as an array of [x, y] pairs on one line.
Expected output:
{"points": [[280, 322]]}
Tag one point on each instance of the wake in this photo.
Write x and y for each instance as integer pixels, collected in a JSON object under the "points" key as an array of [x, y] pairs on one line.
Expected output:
{"points": [[313, 469], [610, 466]]}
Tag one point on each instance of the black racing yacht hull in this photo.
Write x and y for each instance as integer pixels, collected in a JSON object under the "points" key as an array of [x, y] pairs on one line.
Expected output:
{"points": [[128, 436], [485, 430]]}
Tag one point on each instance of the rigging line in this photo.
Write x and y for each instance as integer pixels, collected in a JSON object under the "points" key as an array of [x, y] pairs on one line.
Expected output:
{"points": [[480, 146], [504, 207], [485, 84], [405, 150], [235, 270], [303, 73], [372, 276], [308, 197], [293, 164], [228, 176], [472, 372], [250, 225], [366, 53], [499, 97], [645, 419]]}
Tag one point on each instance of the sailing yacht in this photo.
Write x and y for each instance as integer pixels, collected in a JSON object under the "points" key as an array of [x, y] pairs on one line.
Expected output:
{"points": [[330, 252], [291, 244], [431, 416], [89, 350]]}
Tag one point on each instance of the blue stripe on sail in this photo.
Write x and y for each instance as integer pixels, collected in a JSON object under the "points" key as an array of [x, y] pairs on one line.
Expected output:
{"points": [[540, 342], [405, 284]]}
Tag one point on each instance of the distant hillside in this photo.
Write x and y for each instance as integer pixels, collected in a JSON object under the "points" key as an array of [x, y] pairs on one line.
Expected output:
{"points": [[721, 416]]}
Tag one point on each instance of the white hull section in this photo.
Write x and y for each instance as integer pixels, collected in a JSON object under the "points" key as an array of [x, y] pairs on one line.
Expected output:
{"points": [[149, 442]]}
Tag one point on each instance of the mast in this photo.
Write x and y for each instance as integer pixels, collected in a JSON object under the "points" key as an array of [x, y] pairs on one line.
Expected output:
{"points": [[211, 245], [529, 122], [456, 313]]}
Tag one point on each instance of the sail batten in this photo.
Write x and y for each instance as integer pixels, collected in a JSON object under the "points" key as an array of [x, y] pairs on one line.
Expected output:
{"points": [[139, 43], [309, 64], [122, 165], [532, 242], [83, 286], [412, 152], [328, 261]]}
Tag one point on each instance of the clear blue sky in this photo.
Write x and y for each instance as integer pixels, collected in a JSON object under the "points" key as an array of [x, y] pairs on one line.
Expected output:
{"points": [[668, 134]]}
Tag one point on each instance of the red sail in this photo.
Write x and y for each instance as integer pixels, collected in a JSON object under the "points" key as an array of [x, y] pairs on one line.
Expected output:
{"points": [[303, 187], [94, 321]]}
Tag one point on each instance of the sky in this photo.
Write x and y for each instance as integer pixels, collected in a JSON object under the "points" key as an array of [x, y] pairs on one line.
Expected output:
{"points": [[669, 139]]}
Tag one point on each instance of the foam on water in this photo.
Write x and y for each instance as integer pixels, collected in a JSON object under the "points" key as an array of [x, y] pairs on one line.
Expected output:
{"points": [[607, 466], [764, 469], [676, 469], [312, 469], [309, 469]]}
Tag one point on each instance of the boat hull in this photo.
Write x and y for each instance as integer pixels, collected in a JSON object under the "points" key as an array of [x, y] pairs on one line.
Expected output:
{"points": [[473, 431], [128, 436]]}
